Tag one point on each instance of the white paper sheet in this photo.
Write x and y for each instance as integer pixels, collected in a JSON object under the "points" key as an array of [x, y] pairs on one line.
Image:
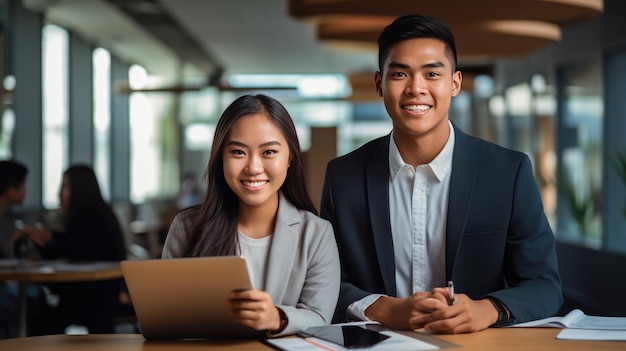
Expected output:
{"points": [[578, 320], [592, 334]]}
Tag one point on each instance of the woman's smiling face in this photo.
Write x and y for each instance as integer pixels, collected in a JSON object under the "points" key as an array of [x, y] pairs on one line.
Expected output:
{"points": [[255, 159]]}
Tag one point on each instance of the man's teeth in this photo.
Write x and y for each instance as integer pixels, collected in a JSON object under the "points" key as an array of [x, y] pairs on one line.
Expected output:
{"points": [[416, 107]]}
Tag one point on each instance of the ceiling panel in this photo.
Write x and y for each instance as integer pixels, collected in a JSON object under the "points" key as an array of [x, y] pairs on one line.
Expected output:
{"points": [[294, 36]]}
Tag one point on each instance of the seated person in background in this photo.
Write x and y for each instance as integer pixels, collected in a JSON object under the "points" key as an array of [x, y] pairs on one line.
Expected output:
{"points": [[91, 232], [257, 206], [190, 194], [12, 193], [427, 204]]}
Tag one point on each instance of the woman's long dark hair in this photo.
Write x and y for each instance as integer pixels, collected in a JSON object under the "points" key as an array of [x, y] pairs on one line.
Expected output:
{"points": [[89, 213], [215, 230]]}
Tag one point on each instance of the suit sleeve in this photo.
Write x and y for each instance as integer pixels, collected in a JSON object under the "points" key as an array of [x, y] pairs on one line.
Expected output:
{"points": [[530, 262]]}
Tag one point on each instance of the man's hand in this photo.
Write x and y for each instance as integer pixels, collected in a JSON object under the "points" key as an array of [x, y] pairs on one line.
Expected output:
{"points": [[465, 316], [397, 313], [255, 309]]}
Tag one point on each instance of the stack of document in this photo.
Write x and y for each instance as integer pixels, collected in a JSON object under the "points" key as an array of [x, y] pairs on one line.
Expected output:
{"points": [[579, 326]]}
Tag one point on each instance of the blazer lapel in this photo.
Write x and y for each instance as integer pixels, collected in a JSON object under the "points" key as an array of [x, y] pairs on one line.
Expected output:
{"points": [[462, 180], [377, 174], [284, 246]]}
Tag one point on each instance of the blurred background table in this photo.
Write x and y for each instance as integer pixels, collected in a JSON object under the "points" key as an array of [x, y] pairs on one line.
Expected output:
{"points": [[24, 272]]}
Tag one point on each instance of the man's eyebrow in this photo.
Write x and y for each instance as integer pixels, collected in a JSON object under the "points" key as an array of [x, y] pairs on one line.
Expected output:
{"points": [[435, 64], [394, 64]]}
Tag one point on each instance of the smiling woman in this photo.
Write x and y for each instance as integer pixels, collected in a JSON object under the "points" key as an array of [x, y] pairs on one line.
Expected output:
{"points": [[256, 206]]}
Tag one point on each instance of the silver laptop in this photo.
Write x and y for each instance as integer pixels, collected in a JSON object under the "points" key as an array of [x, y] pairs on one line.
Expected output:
{"points": [[185, 298]]}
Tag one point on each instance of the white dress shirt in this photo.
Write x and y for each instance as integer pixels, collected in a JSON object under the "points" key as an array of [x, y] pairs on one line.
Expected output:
{"points": [[418, 207]]}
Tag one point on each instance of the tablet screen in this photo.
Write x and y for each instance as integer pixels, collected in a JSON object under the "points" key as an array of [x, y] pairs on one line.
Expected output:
{"points": [[348, 336]]}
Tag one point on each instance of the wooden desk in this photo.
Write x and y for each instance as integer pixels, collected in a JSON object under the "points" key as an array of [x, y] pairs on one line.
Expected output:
{"points": [[526, 339], [122, 342], [54, 272], [522, 339]]}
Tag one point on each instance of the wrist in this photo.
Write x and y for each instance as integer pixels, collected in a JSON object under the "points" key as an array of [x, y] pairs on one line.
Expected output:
{"points": [[379, 309], [282, 323], [504, 316], [389, 311]]}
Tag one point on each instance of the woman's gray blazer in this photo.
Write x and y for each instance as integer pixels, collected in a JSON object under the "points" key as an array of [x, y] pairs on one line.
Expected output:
{"points": [[303, 272]]}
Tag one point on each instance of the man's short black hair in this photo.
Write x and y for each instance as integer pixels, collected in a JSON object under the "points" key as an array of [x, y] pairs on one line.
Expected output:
{"points": [[12, 174], [416, 26]]}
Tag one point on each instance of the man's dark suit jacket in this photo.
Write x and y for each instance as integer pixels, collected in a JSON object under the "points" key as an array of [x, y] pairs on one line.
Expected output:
{"points": [[498, 240]]}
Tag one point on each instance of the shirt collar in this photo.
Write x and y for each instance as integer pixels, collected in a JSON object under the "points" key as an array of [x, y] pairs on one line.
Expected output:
{"points": [[440, 165], [395, 160]]}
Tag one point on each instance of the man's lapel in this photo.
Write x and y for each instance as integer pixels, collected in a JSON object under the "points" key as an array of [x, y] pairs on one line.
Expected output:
{"points": [[377, 174], [462, 180]]}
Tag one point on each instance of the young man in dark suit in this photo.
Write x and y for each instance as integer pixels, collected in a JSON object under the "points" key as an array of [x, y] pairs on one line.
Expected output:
{"points": [[427, 204]]}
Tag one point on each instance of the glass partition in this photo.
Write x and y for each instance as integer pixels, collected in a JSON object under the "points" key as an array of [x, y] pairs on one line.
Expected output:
{"points": [[579, 173], [55, 53], [102, 118], [7, 116]]}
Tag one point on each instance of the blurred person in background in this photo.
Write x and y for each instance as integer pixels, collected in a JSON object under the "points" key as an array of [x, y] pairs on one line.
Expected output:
{"points": [[12, 193], [91, 232], [190, 193]]}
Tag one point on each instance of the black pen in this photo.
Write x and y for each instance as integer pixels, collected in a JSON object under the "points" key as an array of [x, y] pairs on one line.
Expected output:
{"points": [[451, 292]]}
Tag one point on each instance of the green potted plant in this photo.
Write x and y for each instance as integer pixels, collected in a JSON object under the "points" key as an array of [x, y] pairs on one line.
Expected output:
{"points": [[581, 207]]}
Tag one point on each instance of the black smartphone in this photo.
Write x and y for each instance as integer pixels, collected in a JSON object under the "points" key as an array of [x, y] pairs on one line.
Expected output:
{"points": [[348, 336]]}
